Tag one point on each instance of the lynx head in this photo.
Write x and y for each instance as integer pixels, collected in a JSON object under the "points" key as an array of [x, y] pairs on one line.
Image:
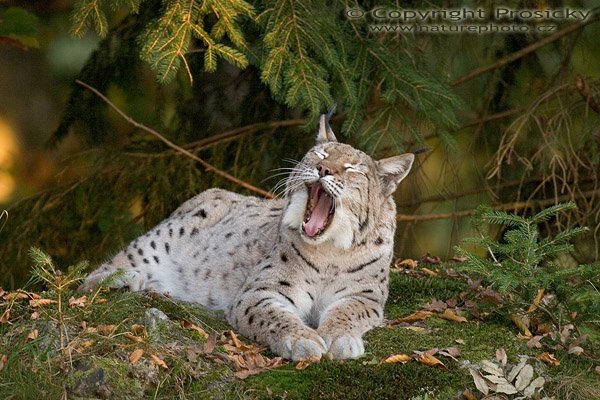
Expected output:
{"points": [[337, 193]]}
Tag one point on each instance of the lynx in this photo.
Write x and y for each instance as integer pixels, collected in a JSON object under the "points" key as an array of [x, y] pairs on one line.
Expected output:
{"points": [[306, 275]]}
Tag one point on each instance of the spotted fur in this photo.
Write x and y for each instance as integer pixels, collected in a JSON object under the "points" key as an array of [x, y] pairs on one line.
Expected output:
{"points": [[302, 292]]}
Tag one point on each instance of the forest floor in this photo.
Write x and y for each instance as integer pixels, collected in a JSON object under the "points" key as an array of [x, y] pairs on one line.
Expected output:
{"points": [[434, 345]]}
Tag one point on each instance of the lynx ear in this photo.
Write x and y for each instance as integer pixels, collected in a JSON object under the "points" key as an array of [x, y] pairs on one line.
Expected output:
{"points": [[392, 170], [325, 132]]}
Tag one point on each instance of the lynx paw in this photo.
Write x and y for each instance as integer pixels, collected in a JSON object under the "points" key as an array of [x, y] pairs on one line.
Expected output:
{"points": [[345, 346], [301, 346]]}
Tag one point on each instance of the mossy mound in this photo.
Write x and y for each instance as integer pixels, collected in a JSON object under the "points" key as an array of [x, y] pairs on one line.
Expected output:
{"points": [[85, 351]]}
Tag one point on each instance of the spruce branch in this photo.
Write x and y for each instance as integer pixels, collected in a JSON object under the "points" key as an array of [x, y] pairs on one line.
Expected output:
{"points": [[208, 167], [86, 13], [165, 42]]}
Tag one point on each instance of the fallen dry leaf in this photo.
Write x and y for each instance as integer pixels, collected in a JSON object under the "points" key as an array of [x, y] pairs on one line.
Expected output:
{"points": [[429, 272], [536, 384], [468, 395], [501, 356], [451, 352], [18, 295], [577, 350], [135, 356], [597, 370], [407, 263], [5, 316], [132, 337], [35, 315], [480, 383], [429, 259], [459, 341], [548, 358], [451, 316], [524, 378], [79, 345], [41, 302], [436, 305], [234, 339], [490, 296], [139, 330], [188, 325], [105, 329], [566, 332], [415, 329], [536, 301], [430, 360], [158, 361], [491, 368], [516, 369], [535, 342], [251, 363], [522, 322], [210, 344], [100, 301], [416, 316], [303, 364], [458, 259], [78, 302], [3, 360], [34, 334], [397, 358], [542, 329]]}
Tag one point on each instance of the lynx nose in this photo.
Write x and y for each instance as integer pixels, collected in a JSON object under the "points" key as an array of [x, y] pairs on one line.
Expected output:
{"points": [[323, 170]]}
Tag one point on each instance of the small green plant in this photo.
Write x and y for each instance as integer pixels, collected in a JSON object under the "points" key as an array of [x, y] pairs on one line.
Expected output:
{"points": [[523, 267], [58, 282]]}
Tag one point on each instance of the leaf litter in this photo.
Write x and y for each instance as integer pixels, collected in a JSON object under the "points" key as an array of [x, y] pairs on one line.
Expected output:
{"points": [[500, 377]]}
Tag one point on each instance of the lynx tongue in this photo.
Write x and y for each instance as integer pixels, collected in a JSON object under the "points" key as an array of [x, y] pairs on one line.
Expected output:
{"points": [[320, 213]]}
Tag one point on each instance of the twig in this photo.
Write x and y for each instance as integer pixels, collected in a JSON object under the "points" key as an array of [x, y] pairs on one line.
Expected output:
{"points": [[584, 90], [3, 215], [208, 167], [524, 51], [503, 207], [241, 131], [493, 117]]}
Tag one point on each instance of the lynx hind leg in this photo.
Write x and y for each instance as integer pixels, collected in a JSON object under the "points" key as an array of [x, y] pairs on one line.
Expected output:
{"points": [[113, 276]]}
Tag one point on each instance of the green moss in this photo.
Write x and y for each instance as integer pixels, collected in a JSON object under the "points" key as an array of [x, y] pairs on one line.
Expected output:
{"points": [[197, 376], [408, 293], [355, 380]]}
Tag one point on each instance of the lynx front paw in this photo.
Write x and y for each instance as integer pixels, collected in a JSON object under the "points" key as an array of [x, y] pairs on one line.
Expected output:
{"points": [[345, 346], [301, 346]]}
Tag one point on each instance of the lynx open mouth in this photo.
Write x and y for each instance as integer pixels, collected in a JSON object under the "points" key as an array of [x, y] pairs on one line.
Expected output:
{"points": [[319, 210]]}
